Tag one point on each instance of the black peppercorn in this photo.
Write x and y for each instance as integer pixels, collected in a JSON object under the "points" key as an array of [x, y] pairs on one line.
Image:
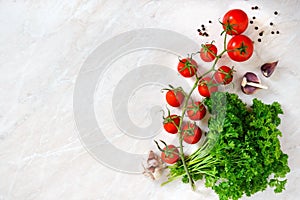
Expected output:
{"points": [[272, 32], [256, 28], [277, 32], [253, 17], [275, 13], [261, 33], [256, 7], [259, 40], [251, 22], [198, 30], [271, 23], [203, 29], [209, 21]]}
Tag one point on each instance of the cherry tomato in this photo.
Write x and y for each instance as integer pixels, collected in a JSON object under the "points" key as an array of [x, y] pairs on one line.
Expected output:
{"points": [[224, 75], [196, 111], [170, 154], [174, 97], [191, 133], [235, 22], [240, 48], [170, 122], [207, 86], [208, 52], [187, 67]]}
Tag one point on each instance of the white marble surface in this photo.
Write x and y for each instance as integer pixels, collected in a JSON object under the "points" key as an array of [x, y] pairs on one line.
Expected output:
{"points": [[43, 45]]}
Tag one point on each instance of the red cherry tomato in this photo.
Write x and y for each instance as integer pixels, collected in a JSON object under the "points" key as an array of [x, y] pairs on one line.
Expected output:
{"points": [[196, 111], [191, 133], [174, 97], [208, 52], [170, 123], [235, 22], [240, 48], [207, 86], [170, 154], [187, 67], [224, 75]]}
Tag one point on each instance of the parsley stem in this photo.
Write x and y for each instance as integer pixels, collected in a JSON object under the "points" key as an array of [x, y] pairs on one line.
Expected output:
{"points": [[191, 181], [181, 152]]}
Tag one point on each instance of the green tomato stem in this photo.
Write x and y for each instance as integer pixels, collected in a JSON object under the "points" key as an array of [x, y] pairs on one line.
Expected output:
{"points": [[225, 37], [191, 181], [184, 108]]}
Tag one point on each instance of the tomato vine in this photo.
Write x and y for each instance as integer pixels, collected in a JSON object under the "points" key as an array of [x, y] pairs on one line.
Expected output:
{"points": [[231, 174]]}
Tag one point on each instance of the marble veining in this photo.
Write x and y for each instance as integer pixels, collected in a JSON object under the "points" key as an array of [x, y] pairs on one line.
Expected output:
{"points": [[43, 45]]}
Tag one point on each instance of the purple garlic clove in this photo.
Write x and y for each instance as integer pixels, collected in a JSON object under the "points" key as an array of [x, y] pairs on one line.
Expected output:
{"points": [[251, 83], [249, 89], [267, 69], [251, 77]]}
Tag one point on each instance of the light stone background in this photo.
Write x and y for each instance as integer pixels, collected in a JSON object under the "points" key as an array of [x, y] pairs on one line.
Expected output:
{"points": [[43, 45]]}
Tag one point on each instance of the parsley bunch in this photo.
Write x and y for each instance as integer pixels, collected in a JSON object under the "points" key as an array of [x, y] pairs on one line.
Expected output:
{"points": [[241, 154]]}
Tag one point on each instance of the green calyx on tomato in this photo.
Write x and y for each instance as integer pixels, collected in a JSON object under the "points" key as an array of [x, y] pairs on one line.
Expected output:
{"points": [[229, 28], [187, 67], [208, 52], [169, 153], [240, 48], [224, 75], [171, 123], [235, 22], [174, 96], [191, 133], [171, 118], [243, 48], [196, 110], [207, 86]]}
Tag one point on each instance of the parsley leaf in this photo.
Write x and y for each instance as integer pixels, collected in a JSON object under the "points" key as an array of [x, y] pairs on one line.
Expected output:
{"points": [[242, 154]]}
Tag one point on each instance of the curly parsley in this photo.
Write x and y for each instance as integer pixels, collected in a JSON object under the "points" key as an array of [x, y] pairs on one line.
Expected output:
{"points": [[242, 153]]}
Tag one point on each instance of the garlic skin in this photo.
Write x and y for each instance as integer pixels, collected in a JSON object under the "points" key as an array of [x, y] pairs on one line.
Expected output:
{"points": [[251, 83], [268, 69], [248, 89], [154, 167], [250, 77]]}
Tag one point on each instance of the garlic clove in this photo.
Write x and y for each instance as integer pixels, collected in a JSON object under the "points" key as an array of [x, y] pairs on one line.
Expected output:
{"points": [[249, 89], [154, 167], [251, 83], [267, 69], [251, 77]]}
